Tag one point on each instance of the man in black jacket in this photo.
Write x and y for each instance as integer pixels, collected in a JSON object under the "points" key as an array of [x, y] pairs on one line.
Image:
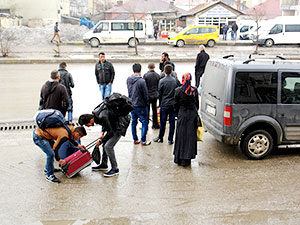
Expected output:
{"points": [[112, 130], [67, 80], [201, 61], [54, 95], [166, 90], [152, 78], [163, 61], [138, 93], [105, 74]]}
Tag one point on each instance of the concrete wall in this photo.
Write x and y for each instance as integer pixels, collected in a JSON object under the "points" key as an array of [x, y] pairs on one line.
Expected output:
{"points": [[9, 22], [47, 10]]}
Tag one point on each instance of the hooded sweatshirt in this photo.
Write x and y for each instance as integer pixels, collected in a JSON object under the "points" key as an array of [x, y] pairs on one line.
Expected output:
{"points": [[54, 96], [137, 91]]}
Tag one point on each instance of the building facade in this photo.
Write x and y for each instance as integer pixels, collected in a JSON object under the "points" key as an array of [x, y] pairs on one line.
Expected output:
{"points": [[36, 12], [217, 14]]}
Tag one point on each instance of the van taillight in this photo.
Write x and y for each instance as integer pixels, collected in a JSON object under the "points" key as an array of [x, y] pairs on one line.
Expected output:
{"points": [[227, 115]]}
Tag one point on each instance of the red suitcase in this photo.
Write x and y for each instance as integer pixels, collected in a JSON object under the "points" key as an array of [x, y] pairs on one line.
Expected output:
{"points": [[78, 161]]}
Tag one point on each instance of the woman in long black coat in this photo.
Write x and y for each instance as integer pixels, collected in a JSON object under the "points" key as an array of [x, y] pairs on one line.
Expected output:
{"points": [[186, 105]]}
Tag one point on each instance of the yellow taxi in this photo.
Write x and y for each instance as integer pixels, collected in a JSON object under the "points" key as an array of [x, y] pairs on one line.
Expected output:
{"points": [[200, 34]]}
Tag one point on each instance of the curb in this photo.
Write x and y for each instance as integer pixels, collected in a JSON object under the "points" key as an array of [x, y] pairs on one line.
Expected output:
{"points": [[220, 43]]}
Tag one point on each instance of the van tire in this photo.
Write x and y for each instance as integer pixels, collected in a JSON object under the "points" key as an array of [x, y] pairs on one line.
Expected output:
{"points": [[257, 144], [94, 42], [211, 43], [131, 42], [180, 43], [269, 43]]}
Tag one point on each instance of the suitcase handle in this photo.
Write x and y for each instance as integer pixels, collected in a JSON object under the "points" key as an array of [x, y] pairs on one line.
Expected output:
{"points": [[92, 144], [65, 168]]}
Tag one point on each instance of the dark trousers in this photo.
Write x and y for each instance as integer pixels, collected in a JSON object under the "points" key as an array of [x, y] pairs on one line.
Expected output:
{"points": [[153, 104], [198, 75], [109, 152], [164, 112]]}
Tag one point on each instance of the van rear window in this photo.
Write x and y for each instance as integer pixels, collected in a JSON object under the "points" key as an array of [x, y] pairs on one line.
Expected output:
{"points": [[255, 88]]}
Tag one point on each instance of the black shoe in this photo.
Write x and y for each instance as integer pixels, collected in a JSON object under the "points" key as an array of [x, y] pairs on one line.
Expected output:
{"points": [[53, 179], [170, 142], [101, 167], [158, 140], [155, 127], [55, 171], [112, 172]]}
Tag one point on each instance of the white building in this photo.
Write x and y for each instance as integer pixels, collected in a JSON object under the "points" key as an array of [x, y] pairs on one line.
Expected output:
{"points": [[37, 12]]}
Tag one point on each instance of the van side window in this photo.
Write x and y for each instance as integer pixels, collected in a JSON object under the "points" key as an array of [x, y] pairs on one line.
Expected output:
{"points": [[255, 88], [192, 31], [276, 29], [292, 28], [290, 88], [102, 27]]}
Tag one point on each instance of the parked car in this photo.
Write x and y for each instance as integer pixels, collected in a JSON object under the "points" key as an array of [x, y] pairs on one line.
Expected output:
{"points": [[200, 34], [115, 31], [284, 30], [254, 103]]}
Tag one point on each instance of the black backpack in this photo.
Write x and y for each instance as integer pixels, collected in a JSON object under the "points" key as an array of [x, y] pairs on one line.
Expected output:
{"points": [[119, 104]]}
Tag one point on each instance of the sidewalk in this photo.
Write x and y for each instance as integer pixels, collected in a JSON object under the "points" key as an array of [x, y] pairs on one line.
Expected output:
{"points": [[78, 52]]}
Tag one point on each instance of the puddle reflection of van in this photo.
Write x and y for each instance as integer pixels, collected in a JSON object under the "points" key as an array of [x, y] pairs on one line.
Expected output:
{"points": [[115, 31], [285, 30], [255, 104]]}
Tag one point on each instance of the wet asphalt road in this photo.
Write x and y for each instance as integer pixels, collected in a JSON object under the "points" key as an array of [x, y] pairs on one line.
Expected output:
{"points": [[220, 187], [21, 83]]}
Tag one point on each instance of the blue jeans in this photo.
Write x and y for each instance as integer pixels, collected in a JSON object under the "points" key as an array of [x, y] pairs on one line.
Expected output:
{"points": [[70, 109], [164, 112], [105, 90], [67, 149], [44, 144], [142, 114]]}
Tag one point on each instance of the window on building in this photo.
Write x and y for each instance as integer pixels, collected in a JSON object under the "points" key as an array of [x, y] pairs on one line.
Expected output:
{"points": [[255, 88]]}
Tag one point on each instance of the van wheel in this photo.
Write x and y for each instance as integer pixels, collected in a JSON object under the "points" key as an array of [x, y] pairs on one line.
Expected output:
{"points": [[180, 43], [94, 42], [211, 43], [257, 144], [131, 42], [269, 43]]}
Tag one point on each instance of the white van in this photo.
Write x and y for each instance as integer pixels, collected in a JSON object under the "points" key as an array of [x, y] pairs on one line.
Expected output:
{"points": [[245, 27], [284, 30], [115, 31]]}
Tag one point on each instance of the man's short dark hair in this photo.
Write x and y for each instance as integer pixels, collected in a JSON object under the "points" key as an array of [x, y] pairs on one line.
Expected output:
{"points": [[151, 66], [101, 53], [54, 74], [137, 68], [85, 119], [80, 130], [165, 54], [62, 65], [168, 69]]}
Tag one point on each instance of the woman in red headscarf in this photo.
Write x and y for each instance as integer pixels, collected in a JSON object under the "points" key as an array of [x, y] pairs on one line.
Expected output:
{"points": [[186, 105]]}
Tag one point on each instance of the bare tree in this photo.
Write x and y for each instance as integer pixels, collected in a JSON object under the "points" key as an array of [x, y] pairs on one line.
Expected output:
{"points": [[6, 38], [102, 5], [257, 16]]}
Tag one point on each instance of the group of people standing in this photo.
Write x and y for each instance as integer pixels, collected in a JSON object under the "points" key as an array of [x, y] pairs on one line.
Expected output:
{"points": [[232, 29], [176, 99]]}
